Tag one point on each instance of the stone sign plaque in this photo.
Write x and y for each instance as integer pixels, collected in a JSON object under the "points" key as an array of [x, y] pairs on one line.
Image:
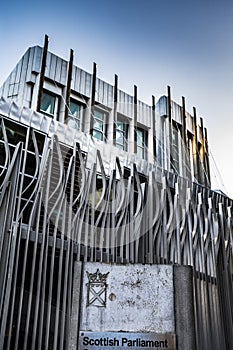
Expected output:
{"points": [[120, 340]]}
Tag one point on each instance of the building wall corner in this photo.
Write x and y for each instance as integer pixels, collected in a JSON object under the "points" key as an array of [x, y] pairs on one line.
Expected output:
{"points": [[184, 307]]}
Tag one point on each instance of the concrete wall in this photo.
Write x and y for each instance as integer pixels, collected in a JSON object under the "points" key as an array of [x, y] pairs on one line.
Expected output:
{"points": [[139, 298], [134, 299]]}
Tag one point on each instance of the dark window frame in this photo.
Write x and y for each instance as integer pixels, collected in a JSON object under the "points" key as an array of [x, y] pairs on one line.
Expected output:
{"points": [[142, 146], [56, 107], [97, 119], [124, 131]]}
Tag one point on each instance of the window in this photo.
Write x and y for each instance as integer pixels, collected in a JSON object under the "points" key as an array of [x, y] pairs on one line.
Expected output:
{"points": [[48, 103], [190, 152], [99, 125], [175, 147], [74, 115], [201, 163], [141, 143], [121, 135]]}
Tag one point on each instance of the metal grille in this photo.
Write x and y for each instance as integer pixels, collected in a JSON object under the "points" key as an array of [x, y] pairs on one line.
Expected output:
{"points": [[55, 209]]}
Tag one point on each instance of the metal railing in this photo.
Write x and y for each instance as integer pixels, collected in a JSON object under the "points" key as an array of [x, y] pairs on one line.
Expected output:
{"points": [[63, 210]]}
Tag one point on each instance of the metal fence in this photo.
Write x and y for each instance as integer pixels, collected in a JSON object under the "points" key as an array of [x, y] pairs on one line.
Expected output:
{"points": [[57, 207]]}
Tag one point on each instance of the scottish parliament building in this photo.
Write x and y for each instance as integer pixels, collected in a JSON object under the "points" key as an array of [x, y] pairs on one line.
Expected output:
{"points": [[89, 173]]}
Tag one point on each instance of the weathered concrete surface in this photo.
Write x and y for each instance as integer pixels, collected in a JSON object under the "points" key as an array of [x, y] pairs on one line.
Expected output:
{"points": [[139, 298], [184, 307], [77, 285]]}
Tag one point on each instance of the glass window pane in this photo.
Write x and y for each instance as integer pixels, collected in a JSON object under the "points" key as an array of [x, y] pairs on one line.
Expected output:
{"points": [[119, 137], [47, 103], [121, 134], [120, 126], [98, 115], [98, 135], [140, 138], [141, 142], [98, 125], [74, 110]]}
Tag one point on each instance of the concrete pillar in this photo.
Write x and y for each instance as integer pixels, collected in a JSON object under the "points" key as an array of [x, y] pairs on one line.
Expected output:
{"points": [[76, 300], [184, 307]]}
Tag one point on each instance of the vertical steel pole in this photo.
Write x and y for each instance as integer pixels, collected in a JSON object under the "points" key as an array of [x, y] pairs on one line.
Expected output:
{"points": [[184, 129], [169, 112], [135, 101], [115, 108], [184, 135], [68, 83], [207, 157], [93, 98], [196, 155], [154, 126], [42, 71], [202, 155]]}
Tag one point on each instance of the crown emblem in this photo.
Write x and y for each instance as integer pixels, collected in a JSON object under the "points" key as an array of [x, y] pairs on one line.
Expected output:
{"points": [[96, 288], [97, 276]]}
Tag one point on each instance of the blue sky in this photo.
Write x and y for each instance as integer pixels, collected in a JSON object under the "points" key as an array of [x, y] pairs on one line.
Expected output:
{"points": [[185, 44]]}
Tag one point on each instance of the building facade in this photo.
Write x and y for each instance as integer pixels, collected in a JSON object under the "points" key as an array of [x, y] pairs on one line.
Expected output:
{"points": [[92, 174]]}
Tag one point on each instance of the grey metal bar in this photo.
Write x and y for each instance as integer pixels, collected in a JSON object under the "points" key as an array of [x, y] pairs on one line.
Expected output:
{"points": [[169, 112], [115, 100], [164, 220], [154, 126], [207, 164], [42, 71], [68, 83], [196, 155], [135, 116], [93, 88]]}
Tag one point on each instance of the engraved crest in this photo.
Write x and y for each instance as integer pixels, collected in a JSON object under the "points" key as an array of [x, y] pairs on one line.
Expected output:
{"points": [[97, 288]]}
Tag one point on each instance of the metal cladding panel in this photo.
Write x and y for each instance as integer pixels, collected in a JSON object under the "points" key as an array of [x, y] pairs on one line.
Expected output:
{"points": [[75, 78], [12, 79], [14, 111], [25, 67], [144, 114], [176, 112], [22, 78], [45, 124], [99, 93], [13, 75], [110, 94], [161, 106], [36, 64], [199, 134], [56, 69], [63, 73], [189, 122], [53, 67], [57, 76], [81, 81], [125, 104], [15, 89], [36, 120], [11, 90], [48, 60], [25, 117], [4, 106], [104, 93], [29, 74]]}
